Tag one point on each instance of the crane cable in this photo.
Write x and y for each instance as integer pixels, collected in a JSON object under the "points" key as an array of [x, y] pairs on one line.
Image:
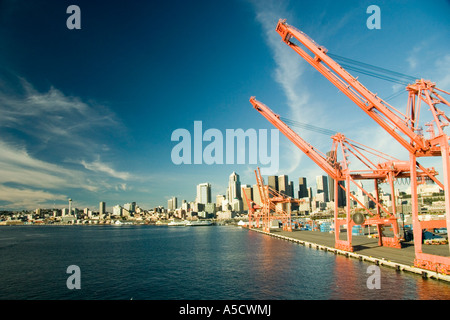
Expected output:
{"points": [[374, 71], [364, 68]]}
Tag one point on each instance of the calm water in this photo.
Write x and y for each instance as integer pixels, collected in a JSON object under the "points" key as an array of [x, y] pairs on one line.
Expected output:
{"points": [[186, 263]]}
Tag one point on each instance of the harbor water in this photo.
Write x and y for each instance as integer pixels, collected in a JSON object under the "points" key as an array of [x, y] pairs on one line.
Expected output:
{"points": [[187, 263]]}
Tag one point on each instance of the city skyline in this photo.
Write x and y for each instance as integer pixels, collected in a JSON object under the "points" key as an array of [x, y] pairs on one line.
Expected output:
{"points": [[88, 113]]}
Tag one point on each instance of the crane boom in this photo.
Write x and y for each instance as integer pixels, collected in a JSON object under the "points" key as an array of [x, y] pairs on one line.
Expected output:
{"points": [[384, 114], [403, 127], [295, 138]]}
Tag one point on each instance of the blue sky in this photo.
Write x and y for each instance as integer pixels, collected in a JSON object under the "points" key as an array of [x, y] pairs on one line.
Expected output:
{"points": [[88, 114]]}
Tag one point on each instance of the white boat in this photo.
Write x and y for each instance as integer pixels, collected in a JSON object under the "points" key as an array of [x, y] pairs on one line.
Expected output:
{"points": [[199, 223], [177, 223]]}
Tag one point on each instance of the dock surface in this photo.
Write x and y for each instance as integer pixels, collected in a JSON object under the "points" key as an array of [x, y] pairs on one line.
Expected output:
{"points": [[366, 249]]}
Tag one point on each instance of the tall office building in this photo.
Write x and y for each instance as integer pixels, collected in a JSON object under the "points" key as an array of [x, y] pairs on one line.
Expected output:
{"points": [[130, 207], [273, 182], [234, 187], [310, 192], [172, 203], [203, 193], [219, 200], [283, 184], [256, 195], [322, 187], [102, 208], [248, 191], [341, 192], [291, 189], [302, 188]]}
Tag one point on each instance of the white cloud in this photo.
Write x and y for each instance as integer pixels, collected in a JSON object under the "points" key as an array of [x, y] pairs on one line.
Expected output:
{"points": [[42, 136], [53, 122], [288, 72], [27, 198], [98, 166], [17, 166]]}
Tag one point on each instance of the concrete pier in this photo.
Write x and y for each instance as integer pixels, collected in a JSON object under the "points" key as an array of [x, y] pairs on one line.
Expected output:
{"points": [[365, 249]]}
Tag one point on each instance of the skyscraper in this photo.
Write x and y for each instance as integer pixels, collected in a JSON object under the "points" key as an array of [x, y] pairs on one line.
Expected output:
{"points": [[322, 187], [341, 192], [203, 193], [283, 184], [302, 188], [291, 189], [273, 182], [234, 187], [172, 203], [248, 190], [219, 200], [102, 208], [256, 195]]}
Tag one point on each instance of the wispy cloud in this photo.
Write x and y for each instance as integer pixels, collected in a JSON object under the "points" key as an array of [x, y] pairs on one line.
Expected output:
{"points": [[43, 136], [99, 166], [18, 167], [27, 198], [52, 121], [289, 69]]}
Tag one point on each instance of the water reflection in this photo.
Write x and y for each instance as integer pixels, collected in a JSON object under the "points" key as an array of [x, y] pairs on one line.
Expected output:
{"points": [[350, 283], [191, 264]]}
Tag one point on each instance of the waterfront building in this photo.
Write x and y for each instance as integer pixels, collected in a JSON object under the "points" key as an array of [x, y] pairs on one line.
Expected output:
{"points": [[256, 195], [322, 187], [203, 193], [310, 192], [237, 205], [234, 187], [198, 207], [185, 206], [302, 188], [130, 207], [117, 210], [291, 189], [102, 208], [283, 184], [272, 182], [219, 199], [341, 193], [361, 196], [210, 208], [248, 190], [172, 204], [226, 206]]}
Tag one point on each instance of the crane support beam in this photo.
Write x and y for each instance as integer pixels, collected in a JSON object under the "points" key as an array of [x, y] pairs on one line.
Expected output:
{"points": [[295, 138], [340, 171], [405, 128], [351, 87]]}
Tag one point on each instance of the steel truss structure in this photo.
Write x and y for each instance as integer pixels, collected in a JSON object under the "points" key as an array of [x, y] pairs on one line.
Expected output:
{"points": [[271, 208], [403, 127], [337, 166]]}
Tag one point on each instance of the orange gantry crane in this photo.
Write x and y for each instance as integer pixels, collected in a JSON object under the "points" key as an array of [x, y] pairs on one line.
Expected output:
{"points": [[271, 207], [384, 172], [404, 127]]}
